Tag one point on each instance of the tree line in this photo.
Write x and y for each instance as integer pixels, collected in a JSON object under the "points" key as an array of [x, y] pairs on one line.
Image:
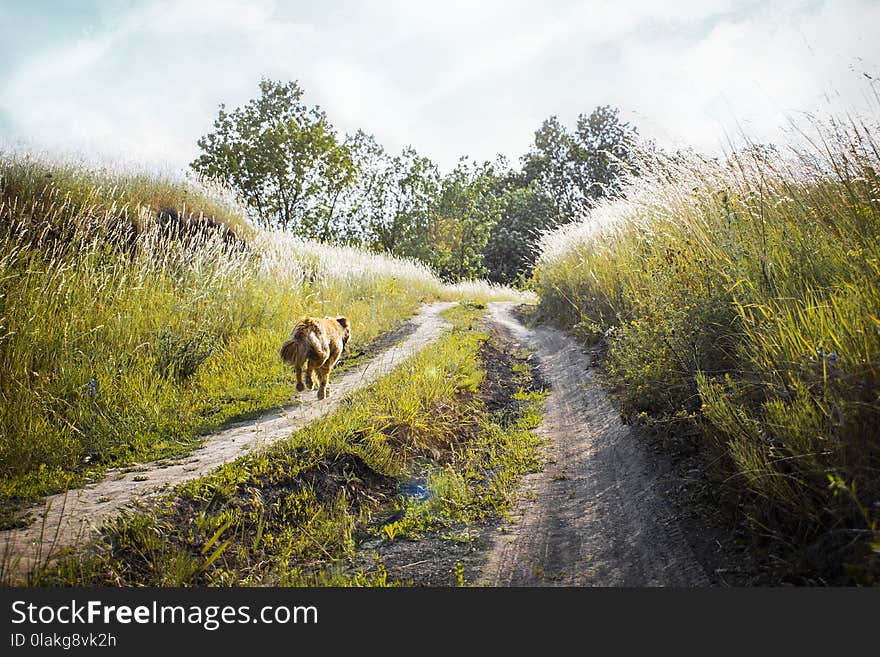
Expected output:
{"points": [[292, 170]]}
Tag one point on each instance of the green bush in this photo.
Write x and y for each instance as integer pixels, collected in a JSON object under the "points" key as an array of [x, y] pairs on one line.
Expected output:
{"points": [[179, 353]]}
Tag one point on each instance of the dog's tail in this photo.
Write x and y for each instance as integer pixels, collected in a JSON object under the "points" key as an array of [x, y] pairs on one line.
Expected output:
{"points": [[288, 351]]}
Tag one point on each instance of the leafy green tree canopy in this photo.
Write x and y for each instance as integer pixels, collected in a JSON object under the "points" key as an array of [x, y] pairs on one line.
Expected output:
{"points": [[576, 169], [509, 254], [285, 161], [467, 209], [281, 157]]}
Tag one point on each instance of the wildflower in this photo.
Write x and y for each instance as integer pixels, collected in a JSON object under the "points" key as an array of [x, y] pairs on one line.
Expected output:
{"points": [[92, 388]]}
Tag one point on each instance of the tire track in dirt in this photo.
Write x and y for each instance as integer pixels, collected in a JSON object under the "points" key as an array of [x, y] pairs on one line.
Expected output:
{"points": [[68, 519], [593, 516]]}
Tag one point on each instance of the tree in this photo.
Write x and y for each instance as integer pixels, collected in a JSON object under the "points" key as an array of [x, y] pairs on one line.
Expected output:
{"points": [[467, 209], [364, 203], [282, 158], [575, 170], [336, 172], [411, 186], [602, 151], [550, 165], [509, 255], [288, 166]]}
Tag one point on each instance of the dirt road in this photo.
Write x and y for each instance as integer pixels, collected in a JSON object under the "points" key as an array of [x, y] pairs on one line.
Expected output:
{"points": [[594, 516], [69, 518]]}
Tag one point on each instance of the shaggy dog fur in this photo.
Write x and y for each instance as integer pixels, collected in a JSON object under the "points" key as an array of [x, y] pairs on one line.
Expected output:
{"points": [[314, 346]]}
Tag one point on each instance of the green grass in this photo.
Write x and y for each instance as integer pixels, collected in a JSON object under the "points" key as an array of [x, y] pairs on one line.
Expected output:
{"points": [[458, 490], [286, 516], [117, 349], [59, 196], [740, 298]]}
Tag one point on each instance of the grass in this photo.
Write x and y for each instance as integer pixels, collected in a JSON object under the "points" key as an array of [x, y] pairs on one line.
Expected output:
{"points": [[481, 291], [738, 300], [287, 515], [121, 342], [61, 195], [476, 478]]}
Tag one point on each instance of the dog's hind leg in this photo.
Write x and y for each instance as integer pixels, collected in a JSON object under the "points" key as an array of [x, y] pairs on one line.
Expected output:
{"points": [[323, 373], [298, 366], [299, 377]]}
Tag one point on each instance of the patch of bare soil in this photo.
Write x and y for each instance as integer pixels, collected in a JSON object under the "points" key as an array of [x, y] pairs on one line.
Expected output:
{"points": [[381, 342], [453, 557], [363, 488], [71, 518], [500, 384], [695, 481], [597, 514]]}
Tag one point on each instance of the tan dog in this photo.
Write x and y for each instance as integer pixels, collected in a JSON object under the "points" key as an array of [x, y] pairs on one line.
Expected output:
{"points": [[315, 345]]}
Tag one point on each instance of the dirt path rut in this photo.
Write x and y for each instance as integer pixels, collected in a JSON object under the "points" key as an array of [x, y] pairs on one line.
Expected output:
{"points": [[69, 518], [594, 516]]}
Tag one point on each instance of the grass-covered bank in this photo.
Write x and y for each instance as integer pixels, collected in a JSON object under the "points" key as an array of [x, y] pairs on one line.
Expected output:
{"points": [[291, 514], [125, 333], [738, 300]]}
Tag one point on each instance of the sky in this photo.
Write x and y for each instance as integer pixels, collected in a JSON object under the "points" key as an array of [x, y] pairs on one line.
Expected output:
{"points": [[138, 82]]}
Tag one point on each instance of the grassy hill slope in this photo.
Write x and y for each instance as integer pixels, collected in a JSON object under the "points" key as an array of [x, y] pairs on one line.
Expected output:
{"points": [[739, 301], [137, 312]]}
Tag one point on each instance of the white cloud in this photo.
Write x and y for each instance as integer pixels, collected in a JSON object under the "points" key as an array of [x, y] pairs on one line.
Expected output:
{"points": [[449, 78], [748, 73]]}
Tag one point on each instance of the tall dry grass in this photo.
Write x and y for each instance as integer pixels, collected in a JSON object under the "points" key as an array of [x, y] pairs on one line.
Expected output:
{"points": [[742, 294], [120, 343]]}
